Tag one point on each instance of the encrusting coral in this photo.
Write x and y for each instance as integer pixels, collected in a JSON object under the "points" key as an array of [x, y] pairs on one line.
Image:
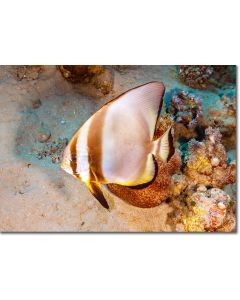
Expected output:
{"points": [[204, 210], [206, 162]]}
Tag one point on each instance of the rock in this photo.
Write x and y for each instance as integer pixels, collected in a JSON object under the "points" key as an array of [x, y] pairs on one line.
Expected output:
{"points": [[43, 135], [202, 189], [215, 161], [36, 103], [104, 81]]}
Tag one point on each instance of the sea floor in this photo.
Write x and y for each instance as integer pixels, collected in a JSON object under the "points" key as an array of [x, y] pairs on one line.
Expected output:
{"points": [[35, 194]]}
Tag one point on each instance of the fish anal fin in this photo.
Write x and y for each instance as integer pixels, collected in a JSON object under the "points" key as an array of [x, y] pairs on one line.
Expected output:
{"points": [[95, 189]]}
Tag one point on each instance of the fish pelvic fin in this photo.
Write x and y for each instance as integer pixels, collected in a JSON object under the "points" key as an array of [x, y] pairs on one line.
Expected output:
{"points": [[163, 147], [96, 190]]}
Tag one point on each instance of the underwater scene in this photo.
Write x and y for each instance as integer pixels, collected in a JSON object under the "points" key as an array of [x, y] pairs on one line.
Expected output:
{"points": [[118, 148]]}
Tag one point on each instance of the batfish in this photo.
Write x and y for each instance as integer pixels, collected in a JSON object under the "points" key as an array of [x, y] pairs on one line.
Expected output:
{"points": [[116, 144]]}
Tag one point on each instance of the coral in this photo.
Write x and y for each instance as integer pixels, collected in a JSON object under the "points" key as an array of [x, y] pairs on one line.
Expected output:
{"points": [[224, 75], [151, 194], [204, 210], [207, 77], [186, 110], [231, 104], [195, 76], [99, 76], [77, 74], [206, 162], [224, 117]]}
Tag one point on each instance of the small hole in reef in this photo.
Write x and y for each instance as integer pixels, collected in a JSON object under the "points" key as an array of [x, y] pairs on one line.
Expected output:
{"points": [[200, 133]]}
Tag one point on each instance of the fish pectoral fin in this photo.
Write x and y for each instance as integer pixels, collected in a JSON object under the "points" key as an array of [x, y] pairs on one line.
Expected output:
{"points": [[163, 147], [95, 189]]}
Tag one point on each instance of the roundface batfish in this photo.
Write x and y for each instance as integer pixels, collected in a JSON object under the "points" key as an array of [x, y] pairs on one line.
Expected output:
{"points": [[116, 144]]}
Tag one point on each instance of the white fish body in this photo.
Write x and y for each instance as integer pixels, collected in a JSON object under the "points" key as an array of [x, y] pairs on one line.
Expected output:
{"points": [[116, 144]]}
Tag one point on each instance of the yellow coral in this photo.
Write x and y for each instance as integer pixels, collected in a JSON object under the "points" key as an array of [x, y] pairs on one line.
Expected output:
{"points": [[200, 164], [194, 223]]}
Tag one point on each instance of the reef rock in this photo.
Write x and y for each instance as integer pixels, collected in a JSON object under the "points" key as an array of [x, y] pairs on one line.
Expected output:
{"points": [[206, 162], [98, 76], [204, 210]]}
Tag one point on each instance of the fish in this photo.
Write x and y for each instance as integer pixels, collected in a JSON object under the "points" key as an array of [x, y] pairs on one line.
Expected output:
{"points": [[116, 144]]}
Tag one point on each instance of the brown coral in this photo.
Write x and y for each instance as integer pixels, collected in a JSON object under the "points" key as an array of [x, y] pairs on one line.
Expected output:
{"points": [[99, 76], [195, 76], [154, 193], [207, 77]]}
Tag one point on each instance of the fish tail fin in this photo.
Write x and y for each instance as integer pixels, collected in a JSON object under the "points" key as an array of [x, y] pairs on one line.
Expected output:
{"points": [[163, 147], [96, 190]]}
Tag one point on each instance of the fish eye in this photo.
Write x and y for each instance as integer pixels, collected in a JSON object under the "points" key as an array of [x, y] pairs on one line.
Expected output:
{"points": [[73, 157]]}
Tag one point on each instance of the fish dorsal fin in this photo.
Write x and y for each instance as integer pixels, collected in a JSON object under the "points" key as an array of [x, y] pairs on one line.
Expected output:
{"points": [[144, 101], [127, 134]]}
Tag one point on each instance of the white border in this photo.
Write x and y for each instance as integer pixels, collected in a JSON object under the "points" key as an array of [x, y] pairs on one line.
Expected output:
{"points": [[119, 266]]}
